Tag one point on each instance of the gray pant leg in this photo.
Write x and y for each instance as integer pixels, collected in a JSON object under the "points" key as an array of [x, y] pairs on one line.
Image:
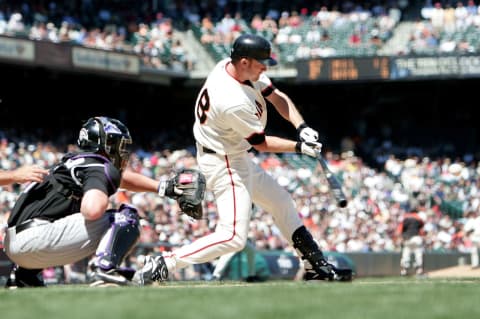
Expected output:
{"points": [[61, 242]]}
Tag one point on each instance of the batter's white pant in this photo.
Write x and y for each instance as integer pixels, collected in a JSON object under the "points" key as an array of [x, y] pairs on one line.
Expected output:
{"points": [[236, 181], [224, 261], [59, 243], [413, 246]]}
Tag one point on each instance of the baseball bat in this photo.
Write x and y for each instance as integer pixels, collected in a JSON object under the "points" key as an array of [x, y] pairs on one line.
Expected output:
{"points": [[334, 184]]}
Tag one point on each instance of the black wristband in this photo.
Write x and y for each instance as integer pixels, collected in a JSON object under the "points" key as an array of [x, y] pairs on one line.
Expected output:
{"points": [[170, 189], [301, 127], [298, 147]]}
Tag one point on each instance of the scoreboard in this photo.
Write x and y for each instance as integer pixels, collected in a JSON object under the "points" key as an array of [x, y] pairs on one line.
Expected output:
{"points": [[388, 68], [344, 69]]}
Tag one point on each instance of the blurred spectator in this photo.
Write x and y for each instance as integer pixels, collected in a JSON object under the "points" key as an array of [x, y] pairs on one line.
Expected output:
{"points": [[411, 231], [472, 232]]}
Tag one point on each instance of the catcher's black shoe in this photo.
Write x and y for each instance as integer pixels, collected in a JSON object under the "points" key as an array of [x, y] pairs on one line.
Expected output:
{"points": [[327, 271], [154, 269], [24, 278], [112, 277]]}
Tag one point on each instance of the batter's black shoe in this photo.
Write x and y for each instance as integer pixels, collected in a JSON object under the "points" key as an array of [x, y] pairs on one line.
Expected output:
{"points": [[328, 272], [335, 275], [344, 274], [254, 278], [24, 278]]}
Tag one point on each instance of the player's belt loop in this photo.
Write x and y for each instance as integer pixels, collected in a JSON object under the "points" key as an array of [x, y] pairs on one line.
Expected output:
{"points": [[204, 149], [207, 150]]}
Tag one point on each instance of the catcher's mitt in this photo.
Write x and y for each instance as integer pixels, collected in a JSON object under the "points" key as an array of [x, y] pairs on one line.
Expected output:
{"points": [[189, 185]]}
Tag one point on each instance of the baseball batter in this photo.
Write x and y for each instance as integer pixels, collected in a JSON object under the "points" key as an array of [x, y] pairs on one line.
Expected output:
{"points": [[231, 115]]}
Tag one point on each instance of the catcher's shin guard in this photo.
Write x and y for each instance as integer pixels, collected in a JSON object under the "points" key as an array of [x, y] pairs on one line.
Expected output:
{"points": [[116, 244], [317, 267]]}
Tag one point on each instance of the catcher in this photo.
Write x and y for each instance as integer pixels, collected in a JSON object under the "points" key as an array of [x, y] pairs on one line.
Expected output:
{"points": [[64, 218]]}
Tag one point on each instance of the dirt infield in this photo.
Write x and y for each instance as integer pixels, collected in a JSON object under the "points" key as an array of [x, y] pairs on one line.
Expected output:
{"points": [[456, 271]]}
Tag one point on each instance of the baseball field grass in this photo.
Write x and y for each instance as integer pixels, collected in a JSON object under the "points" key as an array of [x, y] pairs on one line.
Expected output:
{"points": [[378, 298]]}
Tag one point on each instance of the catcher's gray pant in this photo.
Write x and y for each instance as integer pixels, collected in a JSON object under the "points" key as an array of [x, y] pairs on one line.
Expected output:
{"points": [[64, 241], [236, 181]]}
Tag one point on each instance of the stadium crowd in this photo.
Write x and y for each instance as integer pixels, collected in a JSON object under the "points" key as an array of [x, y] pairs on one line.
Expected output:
{"points": [[302, 29], [447, 189], [151, 29]]}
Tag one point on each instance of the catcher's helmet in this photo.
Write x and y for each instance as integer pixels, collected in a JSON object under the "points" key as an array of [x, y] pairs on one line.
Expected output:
{"points": [[106, 136], [253, 46]]}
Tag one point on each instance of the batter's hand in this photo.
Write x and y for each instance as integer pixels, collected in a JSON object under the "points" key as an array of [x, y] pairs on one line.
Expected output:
{"points": [[308, 148], [306, 133]]}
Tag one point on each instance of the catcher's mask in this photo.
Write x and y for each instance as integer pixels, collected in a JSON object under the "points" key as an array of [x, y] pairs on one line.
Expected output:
{"points": [[107, 136]]}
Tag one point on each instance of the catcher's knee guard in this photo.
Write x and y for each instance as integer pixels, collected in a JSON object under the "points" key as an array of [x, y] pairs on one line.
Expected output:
{"points": [[120, 238], [320, 269]]}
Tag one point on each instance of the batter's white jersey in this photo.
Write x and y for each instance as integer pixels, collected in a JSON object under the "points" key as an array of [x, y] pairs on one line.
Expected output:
{"points": [[226, 118]]}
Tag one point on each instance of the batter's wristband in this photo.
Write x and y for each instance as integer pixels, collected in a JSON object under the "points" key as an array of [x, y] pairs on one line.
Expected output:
{"points": [[162, 187], [298, 147], [301, 127]]}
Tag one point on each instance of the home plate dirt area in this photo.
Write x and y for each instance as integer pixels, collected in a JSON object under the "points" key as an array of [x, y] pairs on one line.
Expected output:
{"points": [[464, 271]]}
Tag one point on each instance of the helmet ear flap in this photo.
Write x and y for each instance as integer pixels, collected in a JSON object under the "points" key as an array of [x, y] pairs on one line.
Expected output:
{"points": [[82, 141], [88, 136], [102, 136]]}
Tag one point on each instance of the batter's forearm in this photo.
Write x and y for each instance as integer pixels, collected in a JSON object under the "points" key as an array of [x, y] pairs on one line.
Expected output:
{"points": [[275, 144], [286, 108]]}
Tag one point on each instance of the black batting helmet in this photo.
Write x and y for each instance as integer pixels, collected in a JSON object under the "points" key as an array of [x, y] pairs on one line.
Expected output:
{"points": [[253, 46], [107, 136]]}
